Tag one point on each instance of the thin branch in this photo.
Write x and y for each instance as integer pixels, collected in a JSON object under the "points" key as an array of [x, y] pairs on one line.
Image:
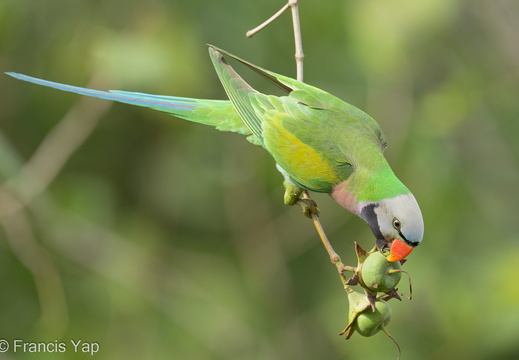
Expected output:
{"points": [[334, 257], [297, 38], [257, 29], [299, 56]]}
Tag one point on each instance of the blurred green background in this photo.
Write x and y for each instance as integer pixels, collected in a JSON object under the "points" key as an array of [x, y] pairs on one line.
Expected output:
{"points": [[162, 239]]}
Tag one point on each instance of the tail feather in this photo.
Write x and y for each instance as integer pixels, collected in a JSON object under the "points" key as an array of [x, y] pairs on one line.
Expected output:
{"points": [[218, 113]]}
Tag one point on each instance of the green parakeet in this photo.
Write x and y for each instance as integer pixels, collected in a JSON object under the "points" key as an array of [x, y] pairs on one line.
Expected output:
{"points": [[319, 142]]}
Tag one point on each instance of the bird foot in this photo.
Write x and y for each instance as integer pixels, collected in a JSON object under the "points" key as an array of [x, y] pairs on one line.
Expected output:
{"points": [[294, 195], [309, 207]]}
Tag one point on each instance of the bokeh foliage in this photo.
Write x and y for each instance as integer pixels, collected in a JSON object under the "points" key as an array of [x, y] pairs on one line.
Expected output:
{"points": [[162, 239]]}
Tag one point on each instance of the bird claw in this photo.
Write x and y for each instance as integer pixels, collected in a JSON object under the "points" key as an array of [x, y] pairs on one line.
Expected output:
{"points": [[309, 207]]}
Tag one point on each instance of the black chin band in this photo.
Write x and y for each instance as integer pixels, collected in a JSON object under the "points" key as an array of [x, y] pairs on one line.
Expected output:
{"points": [[370, 217]]}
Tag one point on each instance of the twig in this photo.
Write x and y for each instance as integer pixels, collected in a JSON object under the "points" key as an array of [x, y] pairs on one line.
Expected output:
{"points": [[334, 257], [297, 38], [299, 56], [257, 29]]}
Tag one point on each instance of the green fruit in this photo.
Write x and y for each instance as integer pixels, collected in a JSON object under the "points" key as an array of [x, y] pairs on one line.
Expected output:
{"points": [[379, 275], [369, 322]]}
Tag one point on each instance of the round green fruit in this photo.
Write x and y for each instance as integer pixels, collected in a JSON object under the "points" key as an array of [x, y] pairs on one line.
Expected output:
{"points": [[379, 275], [369, 322]]}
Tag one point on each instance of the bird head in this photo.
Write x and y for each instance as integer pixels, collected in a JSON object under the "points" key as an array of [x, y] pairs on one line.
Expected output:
{"points": [[397, 224]]}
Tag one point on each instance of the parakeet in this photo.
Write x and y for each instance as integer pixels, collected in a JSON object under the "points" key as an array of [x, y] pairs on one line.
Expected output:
{"points": [[319, 142]]}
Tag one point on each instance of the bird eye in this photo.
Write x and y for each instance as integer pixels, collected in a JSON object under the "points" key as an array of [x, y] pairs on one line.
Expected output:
{"points": [[396, 224]]}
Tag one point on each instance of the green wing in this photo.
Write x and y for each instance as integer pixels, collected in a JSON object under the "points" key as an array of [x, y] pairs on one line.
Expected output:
{"points": [[312, 135]]}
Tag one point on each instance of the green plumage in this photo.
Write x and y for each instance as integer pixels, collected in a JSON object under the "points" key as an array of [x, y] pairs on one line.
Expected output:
{"points": [[318, 139], [320, 142]]}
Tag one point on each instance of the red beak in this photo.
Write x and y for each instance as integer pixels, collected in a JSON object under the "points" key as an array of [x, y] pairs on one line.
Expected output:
{"points": [[399, 251]]}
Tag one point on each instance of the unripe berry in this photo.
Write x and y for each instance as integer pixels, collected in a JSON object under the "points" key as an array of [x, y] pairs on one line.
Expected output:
{"points": [[379, 275], [368, 323]]}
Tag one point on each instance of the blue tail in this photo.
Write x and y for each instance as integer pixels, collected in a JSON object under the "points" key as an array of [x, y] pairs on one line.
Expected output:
{"points": [[218, 113], [163, 103]]}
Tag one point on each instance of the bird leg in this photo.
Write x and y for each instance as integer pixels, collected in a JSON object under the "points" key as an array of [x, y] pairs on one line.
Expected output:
{"points": [[293, 196], [292, 192]]}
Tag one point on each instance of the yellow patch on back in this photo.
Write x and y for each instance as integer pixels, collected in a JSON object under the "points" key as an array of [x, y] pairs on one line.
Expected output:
{"points": [[305, 164]]}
